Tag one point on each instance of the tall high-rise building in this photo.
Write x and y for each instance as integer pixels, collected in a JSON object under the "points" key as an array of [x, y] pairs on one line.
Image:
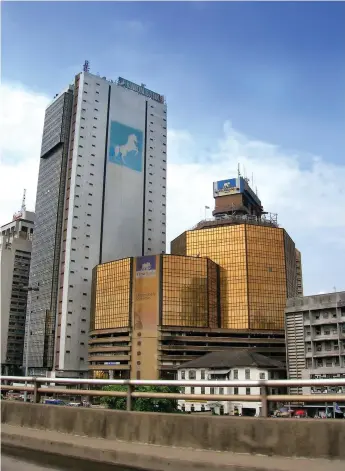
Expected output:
{"points": [[106, 142], [257, 258], [15, 256]]}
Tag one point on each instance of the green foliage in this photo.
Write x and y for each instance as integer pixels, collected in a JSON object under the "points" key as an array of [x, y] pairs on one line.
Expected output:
{"points": [[140, 403]]}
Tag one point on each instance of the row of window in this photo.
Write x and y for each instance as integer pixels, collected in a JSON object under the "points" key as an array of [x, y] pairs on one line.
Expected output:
{"points": [[192, 374], [215, 391]]}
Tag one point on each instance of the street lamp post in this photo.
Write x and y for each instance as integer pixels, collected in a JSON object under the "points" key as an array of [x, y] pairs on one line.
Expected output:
{"points": [[29, 288]]}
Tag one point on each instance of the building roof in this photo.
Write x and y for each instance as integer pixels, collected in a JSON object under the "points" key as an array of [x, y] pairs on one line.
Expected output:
{"points": [[233, 358]]}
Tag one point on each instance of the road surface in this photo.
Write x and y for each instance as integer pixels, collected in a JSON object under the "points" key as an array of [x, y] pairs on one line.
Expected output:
{"points": [[8, 463], [15, 459]]}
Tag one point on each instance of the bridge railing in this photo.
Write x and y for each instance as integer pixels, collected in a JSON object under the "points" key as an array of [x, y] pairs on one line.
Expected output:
{"points": [[34, 385]]}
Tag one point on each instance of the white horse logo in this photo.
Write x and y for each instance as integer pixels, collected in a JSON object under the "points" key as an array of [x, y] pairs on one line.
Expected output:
{"points": [[130, 146], [146, 266]]}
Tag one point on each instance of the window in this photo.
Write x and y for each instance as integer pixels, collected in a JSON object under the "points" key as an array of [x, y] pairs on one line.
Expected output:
{"points": [[247, 374], [211, 390], [192, 374], [192, 390], [235, 391], [262, 375], [235, 374], [248, 391], [221, 390], [202, 390]]}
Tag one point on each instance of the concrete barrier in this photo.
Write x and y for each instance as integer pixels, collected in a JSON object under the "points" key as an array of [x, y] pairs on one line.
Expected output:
{"points": [[308, 438]]}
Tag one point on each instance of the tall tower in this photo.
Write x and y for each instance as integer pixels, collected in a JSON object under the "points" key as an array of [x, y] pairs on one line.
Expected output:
{"points": [[257, 258], [113, 205]]}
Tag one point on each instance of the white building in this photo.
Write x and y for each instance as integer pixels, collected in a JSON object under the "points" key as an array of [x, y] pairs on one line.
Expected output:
{"points": [[226, 365], [15, 256], [114, 204]]}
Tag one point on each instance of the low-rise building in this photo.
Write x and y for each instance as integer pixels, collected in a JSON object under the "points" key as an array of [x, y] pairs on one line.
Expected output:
{"points": [[315, 339], [237, 365]]}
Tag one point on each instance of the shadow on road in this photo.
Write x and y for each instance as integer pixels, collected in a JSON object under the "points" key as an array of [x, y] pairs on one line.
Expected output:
{"points": [[50, 461]]}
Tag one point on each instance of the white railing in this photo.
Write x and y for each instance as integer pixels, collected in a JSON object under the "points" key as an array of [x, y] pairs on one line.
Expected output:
{"points": [[34, 385]]}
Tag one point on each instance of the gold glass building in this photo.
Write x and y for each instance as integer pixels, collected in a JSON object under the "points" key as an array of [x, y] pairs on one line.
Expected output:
{"points": [[139, 296], [224, 286], [257, 270]]}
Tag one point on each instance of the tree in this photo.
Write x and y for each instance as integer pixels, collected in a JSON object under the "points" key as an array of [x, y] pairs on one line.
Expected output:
{"points": [[142, 404]]}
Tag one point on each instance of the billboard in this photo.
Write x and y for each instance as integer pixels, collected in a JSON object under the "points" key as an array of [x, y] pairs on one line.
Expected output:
{"points": [[126, 146], [145, 317], [145, 302], [140, 89], [226, 187]]}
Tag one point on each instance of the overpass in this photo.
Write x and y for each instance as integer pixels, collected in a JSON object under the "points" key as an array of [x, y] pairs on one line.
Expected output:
{"points": [[154, 441]]}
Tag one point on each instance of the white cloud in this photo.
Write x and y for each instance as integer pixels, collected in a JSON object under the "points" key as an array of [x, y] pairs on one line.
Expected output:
{"points": [[21, 127], [309, 199]]}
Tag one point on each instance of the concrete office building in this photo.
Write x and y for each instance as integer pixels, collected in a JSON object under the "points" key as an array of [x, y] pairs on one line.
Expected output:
{"points": [[15, 256], [315, 339], [106, 141]]}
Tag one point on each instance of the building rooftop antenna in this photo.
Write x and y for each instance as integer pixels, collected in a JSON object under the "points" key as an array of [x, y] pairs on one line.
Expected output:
{"points": [[23, 208], [238, 170], [86, 66]]}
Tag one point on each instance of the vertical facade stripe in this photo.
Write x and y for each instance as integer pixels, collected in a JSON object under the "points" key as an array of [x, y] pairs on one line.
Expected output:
{"points": [[104, 175], [144, 195]]}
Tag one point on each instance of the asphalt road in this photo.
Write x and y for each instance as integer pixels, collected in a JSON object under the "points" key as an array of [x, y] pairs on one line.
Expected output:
{"points": [[18, 459], [9, 463]]}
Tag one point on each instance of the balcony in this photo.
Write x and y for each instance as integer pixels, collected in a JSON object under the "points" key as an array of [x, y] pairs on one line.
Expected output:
{"points": [[326, 353], [323, 336]]}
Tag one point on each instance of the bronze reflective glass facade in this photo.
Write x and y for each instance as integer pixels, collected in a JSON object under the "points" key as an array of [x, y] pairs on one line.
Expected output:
{"points": [[111, 297], [255, 271], [267, 277], [189, 292]]}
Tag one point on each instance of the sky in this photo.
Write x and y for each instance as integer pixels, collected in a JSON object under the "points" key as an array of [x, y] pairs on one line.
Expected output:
{"points": [[260, 84]]}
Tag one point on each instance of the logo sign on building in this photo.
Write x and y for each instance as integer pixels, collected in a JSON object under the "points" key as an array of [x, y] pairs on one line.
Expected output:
{"points": [[146, 267], [126, 146], [226, 187], [140, 89]]}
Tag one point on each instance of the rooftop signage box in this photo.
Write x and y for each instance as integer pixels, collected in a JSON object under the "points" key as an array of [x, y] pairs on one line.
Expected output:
{"points": [[234, 186], [140, 89]]}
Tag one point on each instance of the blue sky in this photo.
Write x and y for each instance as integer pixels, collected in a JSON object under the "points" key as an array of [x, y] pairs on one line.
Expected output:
{"points": [[275, 70]]}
